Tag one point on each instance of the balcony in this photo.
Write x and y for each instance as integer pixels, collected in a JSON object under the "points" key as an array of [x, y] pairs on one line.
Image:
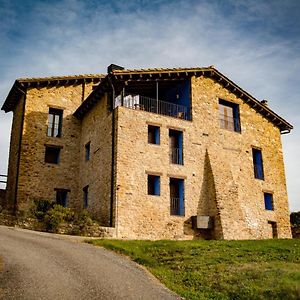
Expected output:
{"points": [[176, 156], [176, 209], [143, 103]]}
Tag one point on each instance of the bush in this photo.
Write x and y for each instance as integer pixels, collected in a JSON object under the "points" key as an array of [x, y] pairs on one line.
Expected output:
{"points": [[295, 218], [83, 220], [56, 216], [40, 208]]}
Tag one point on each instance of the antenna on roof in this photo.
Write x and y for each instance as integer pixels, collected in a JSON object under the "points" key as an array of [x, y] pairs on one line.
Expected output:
{"points": [[113, 67]]}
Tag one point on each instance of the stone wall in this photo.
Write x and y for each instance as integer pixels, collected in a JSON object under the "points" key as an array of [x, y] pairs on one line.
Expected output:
{"points": [[2, 197], [14, 154], [218, 172], [96, 172], [218, 168], [37, 179]]}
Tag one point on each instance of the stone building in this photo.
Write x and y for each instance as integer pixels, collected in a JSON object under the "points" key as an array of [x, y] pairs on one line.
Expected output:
{"points": [[155, 153]]}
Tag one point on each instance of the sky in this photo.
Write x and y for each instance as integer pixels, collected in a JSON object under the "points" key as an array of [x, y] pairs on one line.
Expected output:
{"points": [[254, 43]]}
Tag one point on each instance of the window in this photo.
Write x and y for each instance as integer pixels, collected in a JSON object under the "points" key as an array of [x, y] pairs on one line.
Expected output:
{"points": [[153, 185], [62, 197], [229, 116], [86, 196], [268, 201], [176, 147], [52, 154], [54, 122], [153, 134], [258, 164], [87, 151], [177, 197], [274, 229]]}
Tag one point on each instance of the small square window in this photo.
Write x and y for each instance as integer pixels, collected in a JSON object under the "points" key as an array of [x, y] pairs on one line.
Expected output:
{"points": [[268, 201], [86, 196], [87, 151], [153, 134], [52, 155], [153, 185]]}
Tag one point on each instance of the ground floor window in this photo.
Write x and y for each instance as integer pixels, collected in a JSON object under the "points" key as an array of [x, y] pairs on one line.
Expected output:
{"points": [[62, 197], [274, 229], [86, 196], [177, 197]]}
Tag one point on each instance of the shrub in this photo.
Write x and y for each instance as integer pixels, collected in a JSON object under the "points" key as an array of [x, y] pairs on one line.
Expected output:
{"points": [[52, 216], [56, 216], [40, 208]]}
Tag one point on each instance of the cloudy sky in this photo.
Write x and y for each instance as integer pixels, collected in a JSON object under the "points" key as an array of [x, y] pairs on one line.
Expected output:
{"points": [[255, 43]]}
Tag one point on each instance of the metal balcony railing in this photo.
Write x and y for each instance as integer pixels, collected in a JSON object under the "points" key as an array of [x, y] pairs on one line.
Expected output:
{"points": [[154, 106], [230, 123], [176, 156], [175, 207]]}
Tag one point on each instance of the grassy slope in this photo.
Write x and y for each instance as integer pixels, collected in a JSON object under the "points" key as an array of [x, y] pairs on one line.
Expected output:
{"points": [[268, 269]]}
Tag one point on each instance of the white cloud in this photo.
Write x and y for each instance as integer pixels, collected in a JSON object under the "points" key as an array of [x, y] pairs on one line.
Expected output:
{"points": [[71, 37]]}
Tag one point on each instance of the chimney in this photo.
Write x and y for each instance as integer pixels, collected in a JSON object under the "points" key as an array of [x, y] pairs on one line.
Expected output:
{"points": [[113, 67], [264, 102]]}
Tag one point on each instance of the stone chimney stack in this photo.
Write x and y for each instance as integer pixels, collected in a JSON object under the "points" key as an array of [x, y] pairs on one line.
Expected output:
{"points": [[264, 102]]}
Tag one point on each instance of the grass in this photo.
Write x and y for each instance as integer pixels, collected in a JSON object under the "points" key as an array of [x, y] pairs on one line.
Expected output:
{"points": [[268, 269]]}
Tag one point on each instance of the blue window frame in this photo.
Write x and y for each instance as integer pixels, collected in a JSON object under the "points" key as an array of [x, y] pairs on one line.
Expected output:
{"points": [[153, 134], [86, 196], [176, 146], [258, 164], [177, 197], [62, 197], [154, 185], [87, 151], [268, 201], [229, 115]]}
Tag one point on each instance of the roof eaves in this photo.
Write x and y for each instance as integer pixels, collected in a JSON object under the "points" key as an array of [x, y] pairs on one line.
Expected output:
{"points": [[256, 104], [91, 100], [20, 85]]}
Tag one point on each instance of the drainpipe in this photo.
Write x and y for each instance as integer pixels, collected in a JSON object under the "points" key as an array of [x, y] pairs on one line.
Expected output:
{"points": [[112, 179], [156, 96]]}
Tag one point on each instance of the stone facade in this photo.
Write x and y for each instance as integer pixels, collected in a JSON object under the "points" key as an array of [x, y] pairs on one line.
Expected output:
{"points": [[217, 171], [37, 179]]}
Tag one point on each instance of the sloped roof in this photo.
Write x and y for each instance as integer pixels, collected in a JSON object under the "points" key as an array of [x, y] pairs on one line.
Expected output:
{"points": [[21, 84], [122, 76], [127, 75]]}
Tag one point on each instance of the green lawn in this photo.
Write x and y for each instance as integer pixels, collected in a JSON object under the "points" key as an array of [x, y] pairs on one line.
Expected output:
{"points": [[268, 269]]}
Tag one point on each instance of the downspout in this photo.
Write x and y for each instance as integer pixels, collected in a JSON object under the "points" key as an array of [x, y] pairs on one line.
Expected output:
{"points": [[112, 179], [19, 154]]}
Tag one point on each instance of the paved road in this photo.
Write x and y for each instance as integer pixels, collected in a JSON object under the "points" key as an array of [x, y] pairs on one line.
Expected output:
{"points": [[44, 266]]}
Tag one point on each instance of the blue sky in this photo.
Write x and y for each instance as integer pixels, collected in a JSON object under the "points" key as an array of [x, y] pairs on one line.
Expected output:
{"points": [[255, 43]]}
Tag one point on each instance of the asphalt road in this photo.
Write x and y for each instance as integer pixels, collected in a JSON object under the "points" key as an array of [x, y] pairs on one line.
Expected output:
{"points": [[44, 266]]}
